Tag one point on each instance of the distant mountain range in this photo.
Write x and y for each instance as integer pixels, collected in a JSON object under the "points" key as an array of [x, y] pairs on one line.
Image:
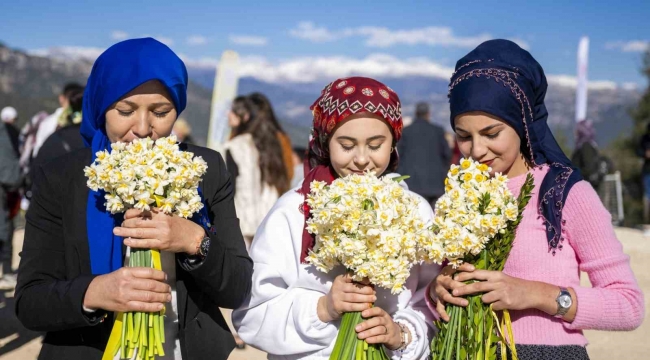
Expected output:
{"points": [[30, 83]]}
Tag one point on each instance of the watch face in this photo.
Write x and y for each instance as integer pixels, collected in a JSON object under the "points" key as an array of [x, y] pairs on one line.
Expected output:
{"points": [[565, 301], [205, 246]]}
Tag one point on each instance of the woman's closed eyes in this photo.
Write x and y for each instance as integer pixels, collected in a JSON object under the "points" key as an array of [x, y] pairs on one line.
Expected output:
{"points": [[349, 147]]}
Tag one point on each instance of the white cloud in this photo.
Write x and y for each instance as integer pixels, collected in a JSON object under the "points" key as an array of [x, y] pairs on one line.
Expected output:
{"points": [[69, 52], [119, 35], [204, 62], [630, 86], [308, 69], [383, 37], [628, 46], [572, 81], [248, 40], [197, 40], [309, 31], [432, 36]]}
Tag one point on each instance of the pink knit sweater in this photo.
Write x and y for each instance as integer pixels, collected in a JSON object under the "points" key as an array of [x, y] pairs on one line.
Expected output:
{"points": [[614, 303]]}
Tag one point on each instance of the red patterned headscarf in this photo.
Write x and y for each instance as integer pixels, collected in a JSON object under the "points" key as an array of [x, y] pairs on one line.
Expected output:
{"points": [[340, 99]]}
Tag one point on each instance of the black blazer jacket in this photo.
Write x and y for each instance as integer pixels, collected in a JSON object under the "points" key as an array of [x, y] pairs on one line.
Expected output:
{"points": [[425, 156], [54, 271]]}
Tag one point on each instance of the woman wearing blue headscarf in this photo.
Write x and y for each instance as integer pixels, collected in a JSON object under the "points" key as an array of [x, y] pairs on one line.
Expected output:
{"points": [[71, 277], [497, 108]]}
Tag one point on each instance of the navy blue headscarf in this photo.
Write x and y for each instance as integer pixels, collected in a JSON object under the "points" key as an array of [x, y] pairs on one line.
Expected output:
{"points": [[502, 79], [120, 69]]}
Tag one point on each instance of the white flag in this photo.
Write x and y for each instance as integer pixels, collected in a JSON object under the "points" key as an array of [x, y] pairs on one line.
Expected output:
{"points": [[581, 89], [225, 90]]}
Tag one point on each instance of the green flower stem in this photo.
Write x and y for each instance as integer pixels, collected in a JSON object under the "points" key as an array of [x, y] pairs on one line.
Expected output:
{"points": [[136, 335], [340, 340], [157, 334], [151, 344], [358, 355], [123, 345], [458, 336], [349, 347], [450, 333], [143, 331], [161, 325]]}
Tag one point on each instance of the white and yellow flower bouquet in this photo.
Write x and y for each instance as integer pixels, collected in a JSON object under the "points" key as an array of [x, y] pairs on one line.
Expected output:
{"points": [[141, 175], [373, 228], [475, 221]]}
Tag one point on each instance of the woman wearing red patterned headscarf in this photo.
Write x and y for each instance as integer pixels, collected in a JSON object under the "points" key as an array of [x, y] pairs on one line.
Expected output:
{"points": [[294, 309]]}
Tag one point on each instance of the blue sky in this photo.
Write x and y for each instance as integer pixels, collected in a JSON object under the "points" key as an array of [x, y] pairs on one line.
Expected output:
{"points": [[300, 40]]}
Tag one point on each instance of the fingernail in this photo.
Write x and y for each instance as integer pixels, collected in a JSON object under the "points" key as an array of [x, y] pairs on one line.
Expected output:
{"points": [[374, 298], [358, 328], [455, 292]]}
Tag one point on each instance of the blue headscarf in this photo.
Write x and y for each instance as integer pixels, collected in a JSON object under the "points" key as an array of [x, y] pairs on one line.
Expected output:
{"points": [[502, 79], [120, 69]]}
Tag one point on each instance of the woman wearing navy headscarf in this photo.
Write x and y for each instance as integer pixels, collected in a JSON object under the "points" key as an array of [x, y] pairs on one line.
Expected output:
{"points": [[71, 277], [497, 107]]}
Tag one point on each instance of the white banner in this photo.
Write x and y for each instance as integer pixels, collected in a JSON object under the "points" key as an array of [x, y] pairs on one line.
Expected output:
{"points": [[581, 89], [225, 90]]}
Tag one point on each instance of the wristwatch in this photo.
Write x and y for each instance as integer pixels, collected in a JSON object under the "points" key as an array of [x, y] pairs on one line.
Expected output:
{"points": [[203, 247], [564, 302]]}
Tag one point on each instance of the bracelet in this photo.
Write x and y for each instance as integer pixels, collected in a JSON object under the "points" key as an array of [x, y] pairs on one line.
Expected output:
{"points": [[405, 334], [408, 335]]}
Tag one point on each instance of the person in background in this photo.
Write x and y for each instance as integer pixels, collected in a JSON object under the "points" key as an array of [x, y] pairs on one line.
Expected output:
{"points": [[265, 111], [49, 125], [298, 165], [9, 115], [455, 154], [425, 155], [586, 156], [183, 131], [68, 137], [254, 159], [643, 150], [10, 179]]}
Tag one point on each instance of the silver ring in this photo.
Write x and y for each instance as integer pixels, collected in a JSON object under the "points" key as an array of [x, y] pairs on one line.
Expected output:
{"points": [[385, 327]]}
